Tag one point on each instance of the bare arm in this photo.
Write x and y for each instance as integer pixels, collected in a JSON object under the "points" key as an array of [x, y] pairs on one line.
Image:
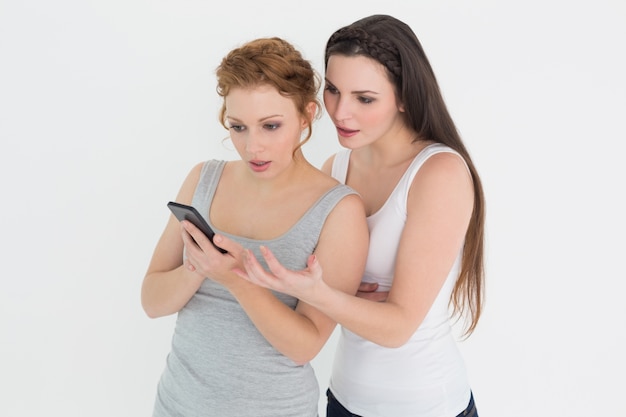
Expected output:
{"points": [[439, 208], [167, 285]]}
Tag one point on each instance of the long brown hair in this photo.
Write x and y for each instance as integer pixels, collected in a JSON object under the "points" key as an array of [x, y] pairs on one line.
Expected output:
{"points": [[393, 43]]}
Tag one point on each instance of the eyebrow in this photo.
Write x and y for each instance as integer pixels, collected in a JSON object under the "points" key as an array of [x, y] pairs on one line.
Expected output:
{"points": [[355, 91], [260, 120], [364, 92], [269, 117]]}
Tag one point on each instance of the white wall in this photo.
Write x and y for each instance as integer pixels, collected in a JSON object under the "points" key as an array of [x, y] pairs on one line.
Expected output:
{"points": [[105, 106]]}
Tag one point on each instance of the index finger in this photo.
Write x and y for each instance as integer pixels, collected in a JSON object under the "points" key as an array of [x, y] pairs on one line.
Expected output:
{"points": [[200, 238]]}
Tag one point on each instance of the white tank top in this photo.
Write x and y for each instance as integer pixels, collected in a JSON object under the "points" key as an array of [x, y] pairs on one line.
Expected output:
{"points": [[426, 377]]}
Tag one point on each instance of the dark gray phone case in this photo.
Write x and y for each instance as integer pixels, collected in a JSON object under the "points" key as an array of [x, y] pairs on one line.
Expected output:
{"points": [[189, 213]]}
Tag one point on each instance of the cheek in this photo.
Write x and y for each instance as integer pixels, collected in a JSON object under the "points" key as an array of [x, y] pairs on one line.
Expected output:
{"points": [[330, 101], [375, 123], [239, 145], [374, 117]]}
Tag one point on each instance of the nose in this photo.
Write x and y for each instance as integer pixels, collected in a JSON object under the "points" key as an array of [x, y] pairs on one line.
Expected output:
{"points": [[339, 108], [254, 143]]}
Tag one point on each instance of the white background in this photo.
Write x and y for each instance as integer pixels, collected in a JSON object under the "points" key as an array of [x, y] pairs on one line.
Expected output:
{"points": [[106, 105]]}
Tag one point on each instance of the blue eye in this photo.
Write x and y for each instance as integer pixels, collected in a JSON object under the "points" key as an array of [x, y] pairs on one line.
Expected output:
{"points": [[271, 126], [237, 128]]}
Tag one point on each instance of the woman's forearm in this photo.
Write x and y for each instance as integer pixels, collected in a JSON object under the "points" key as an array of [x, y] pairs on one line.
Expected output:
{"points": [[165, 293], [290, 332], [384, 323]]}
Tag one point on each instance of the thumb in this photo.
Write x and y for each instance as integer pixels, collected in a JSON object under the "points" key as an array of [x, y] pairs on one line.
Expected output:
{"points": [[312, 262], [313, 265]]}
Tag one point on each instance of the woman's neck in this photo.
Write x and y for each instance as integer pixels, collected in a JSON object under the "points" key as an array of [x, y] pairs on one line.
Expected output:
{"points": [[289, 177], [391, 150]]}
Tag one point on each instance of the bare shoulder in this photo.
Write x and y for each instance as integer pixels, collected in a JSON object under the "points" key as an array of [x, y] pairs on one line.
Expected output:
{"points": [[185, 194], [350, 205], [442, 183], [445, 162], [347, 217], [196, 170], [444, 168]]}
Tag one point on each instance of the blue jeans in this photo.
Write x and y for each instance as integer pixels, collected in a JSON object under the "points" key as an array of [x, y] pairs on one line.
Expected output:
{"points": [[335, 409]]}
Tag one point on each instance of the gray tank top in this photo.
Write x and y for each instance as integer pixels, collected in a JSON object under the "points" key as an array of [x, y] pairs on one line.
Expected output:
{"points": [[219, 364]]}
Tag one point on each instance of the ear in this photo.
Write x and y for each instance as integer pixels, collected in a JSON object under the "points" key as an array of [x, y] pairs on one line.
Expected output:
{"points": [[311, 110]]}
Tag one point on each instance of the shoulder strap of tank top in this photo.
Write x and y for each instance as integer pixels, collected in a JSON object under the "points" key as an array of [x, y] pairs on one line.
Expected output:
{"points": [[339, 170], [207, 183], [419, 160]]}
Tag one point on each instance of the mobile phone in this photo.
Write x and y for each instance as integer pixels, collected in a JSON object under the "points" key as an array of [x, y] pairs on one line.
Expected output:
{"points": [[185, 212]]}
